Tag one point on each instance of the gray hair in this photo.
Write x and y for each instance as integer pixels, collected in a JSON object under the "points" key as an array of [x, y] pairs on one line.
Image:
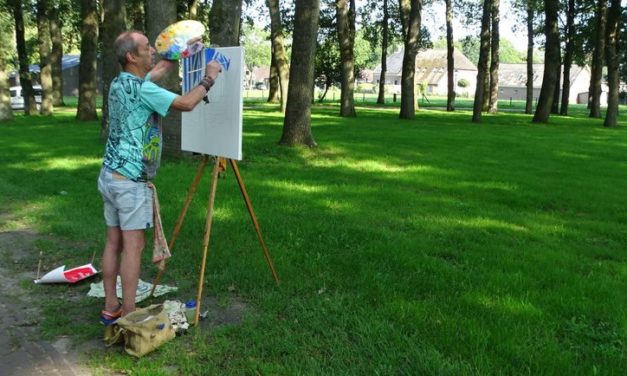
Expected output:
{"points": [[124, 44]]}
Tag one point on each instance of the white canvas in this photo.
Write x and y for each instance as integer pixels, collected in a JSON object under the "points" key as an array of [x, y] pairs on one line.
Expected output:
{"points": [[215, 128]]}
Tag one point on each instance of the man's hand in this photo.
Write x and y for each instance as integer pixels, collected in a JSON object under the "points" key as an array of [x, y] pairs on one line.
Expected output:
{"points": [[213, 69]]}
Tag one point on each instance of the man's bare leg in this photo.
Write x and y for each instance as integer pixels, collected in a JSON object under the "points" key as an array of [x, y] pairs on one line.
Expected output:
{"points": [[111, 267], [133, 241]]}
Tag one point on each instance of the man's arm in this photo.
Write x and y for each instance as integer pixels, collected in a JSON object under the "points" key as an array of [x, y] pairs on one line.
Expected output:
{"points": [[188, 101], [161, 69]]}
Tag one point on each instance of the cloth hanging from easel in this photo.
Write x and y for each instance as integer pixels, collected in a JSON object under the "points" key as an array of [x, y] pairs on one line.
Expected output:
{"points": [[160, 251]]}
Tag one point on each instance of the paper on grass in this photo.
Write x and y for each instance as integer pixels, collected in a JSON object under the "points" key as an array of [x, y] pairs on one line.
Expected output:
{"points": [[143, 290], [60, 275]]}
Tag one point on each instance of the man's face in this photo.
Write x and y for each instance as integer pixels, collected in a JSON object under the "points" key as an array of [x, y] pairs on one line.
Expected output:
{"points": [[145, 53]]}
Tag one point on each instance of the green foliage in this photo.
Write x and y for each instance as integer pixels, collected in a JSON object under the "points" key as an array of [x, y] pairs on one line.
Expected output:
{"points": [[463, 82], [256, 42]]}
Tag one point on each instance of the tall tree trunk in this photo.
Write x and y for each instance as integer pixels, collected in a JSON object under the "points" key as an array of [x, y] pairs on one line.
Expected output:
{"points": [[278, 51], [345, 10], [529, 96], [297, 122], [114, 23], [159, 15], [275, 87], [411, 11], [384, 52], [494, 58], [482, 66], [87, 89], [45, 69], [551, 59], [30, 107], [596, 76], [56, 55], [450, 62], [224, 22], [611, 51], [556, 94], [568, 55], [6, 113]]}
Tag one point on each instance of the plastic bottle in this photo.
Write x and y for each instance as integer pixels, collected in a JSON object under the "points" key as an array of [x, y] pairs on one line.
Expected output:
{"points": [[190, 311]]}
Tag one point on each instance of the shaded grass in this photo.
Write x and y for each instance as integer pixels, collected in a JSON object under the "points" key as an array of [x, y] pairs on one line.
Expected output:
{"points": [[432, 246]]}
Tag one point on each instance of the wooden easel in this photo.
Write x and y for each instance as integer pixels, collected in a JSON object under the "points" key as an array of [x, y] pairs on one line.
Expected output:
{"points": [[219, 166]]}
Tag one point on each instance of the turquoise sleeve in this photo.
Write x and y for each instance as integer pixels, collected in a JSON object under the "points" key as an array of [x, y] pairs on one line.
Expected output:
{"points": [[156, 98]]}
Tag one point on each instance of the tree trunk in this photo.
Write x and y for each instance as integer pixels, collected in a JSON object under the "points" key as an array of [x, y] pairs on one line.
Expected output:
{"points": [[297, 122], [411, 10], [45, 69], [345, 10], [159, 15], [450, 62], [275, 86], [87, 89], [193, 9], [224, 22], [551, 59], [6, 113], [529, 98], [114, 23], [558, 75], [482, 66], [596, 76], [278, 51], [494, 58], [613, 30], [56, 56], [30, 107], [568, 55], [384, 52]]}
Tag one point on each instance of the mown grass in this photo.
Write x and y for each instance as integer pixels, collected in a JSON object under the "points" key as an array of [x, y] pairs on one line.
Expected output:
{"points": [[432, 246]]}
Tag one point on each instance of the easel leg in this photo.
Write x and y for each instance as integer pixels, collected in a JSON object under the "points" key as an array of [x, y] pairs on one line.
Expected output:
{"points": [[253, 217], [205, 241], [179, 221]]}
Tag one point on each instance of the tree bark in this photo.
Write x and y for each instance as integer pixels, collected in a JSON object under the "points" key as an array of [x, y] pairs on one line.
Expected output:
{"points": [[278, 51], [558, 75], [275, 87], [568, 55], [551, 59], [596, 76], [45, 69], [529, 97], [56, 55], [482, 66], [30, 107], [384, 52], [297, 122], [450, 62], [114, 23], [224, 22], [6, 113], [193, 9], [611, 51], [345, 10], [410, 10], [87, 69], [494, 58]]}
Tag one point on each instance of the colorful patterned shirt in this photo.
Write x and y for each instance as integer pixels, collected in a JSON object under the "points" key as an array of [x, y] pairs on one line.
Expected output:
{"points": [[134, 144]]}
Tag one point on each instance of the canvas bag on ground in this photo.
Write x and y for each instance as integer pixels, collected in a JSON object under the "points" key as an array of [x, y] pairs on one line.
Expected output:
{"points": [[143, 330]]}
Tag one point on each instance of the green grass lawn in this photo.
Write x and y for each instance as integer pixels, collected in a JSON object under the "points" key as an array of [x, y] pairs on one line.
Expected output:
{"points": [[432, 246]]}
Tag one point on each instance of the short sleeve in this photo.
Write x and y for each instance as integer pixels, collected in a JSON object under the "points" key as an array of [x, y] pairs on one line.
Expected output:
{"points": [[156, 98]]}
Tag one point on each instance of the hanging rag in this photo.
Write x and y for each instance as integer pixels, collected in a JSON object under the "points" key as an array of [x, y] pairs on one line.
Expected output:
{"points": [[160, 251]]}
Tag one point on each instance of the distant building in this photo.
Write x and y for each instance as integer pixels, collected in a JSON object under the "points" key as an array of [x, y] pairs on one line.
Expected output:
{"points": [[513, 83], [69, 69], [258, 75], [431, 70]]}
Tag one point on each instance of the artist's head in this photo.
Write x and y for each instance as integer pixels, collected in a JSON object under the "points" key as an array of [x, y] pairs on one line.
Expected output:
{"points": [[134, 52]]}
